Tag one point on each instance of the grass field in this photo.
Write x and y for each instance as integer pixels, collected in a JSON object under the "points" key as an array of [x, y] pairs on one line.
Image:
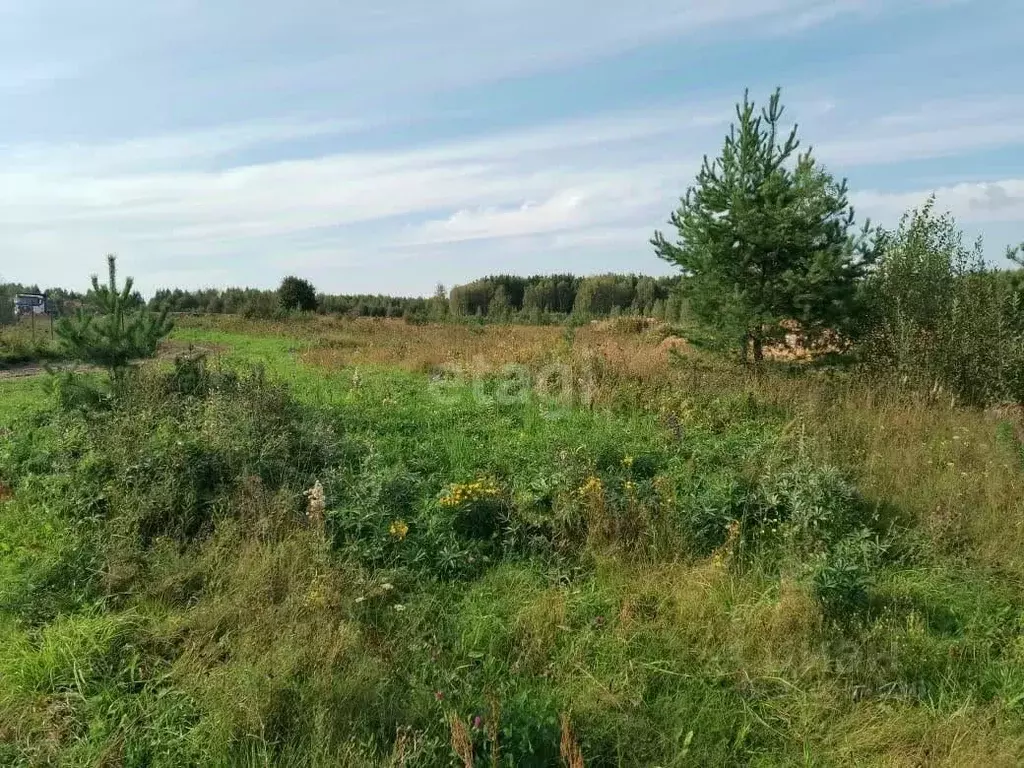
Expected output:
{"points": [[26, 341], [370, 543]]}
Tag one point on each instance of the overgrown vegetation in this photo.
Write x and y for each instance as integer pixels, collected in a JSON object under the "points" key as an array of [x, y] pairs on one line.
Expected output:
{"points": [[22, 340], [322, 540], [215, 568], [942, 318]]}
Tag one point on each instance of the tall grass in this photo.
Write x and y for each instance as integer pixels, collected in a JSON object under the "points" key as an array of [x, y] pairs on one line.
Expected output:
{"points": [[696, 566], [27, 340], [914, 451]]}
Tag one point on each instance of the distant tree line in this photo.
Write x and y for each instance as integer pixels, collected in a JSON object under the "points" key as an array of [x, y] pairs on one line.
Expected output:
{"points": [[538, 298], [540, 295], [267, 304]]}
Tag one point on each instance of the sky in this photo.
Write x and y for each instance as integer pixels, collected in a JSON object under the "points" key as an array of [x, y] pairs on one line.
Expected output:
{"points": [[387, 147]]}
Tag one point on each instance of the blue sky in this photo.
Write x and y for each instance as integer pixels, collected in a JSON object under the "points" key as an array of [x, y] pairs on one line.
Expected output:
{"points": [[388, 147]]}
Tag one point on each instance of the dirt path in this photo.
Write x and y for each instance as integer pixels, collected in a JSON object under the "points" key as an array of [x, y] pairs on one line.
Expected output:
{"points": [[21, 371], [27, 370], [168, 351]]}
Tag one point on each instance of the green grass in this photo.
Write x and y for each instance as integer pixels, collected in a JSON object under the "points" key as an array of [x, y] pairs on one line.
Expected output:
{"points": [[22, 344], [702, 592], [21, 396]]}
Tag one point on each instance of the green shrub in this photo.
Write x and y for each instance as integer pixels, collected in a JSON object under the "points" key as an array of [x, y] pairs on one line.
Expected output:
{"points": [[941, 318], [810, 507], [77, 392], [715, 502], [843, 574], [263, 306], [416, 315]]}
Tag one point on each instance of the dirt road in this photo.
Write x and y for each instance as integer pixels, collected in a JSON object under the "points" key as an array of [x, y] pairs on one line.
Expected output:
{"points": [[35, 369]]}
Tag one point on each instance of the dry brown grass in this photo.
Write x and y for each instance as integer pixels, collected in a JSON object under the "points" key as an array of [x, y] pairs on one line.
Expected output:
{"points": [[425, 348], [462, 744], [945, 467], [572, 755], [874, 733]]}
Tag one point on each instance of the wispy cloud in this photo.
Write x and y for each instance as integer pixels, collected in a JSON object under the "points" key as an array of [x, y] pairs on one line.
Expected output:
{"points": [[574, 180], [188, 149], [985, 201], [931, 130], [229, 142]]}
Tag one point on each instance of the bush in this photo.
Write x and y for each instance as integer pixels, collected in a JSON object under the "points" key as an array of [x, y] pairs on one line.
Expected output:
{"points": [[262, 307], [416, 316], [172, 451], [297, 294], [77, 392], [941, 318], [844, 574], [812, 507]]}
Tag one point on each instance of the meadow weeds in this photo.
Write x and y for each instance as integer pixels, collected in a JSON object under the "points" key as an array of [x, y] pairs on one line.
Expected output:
{"points": [[27, 341], [321, 560]]}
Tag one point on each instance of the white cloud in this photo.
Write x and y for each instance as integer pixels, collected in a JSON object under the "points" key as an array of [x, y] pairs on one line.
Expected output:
{"points": [[247, 197], [974, 202], [933, 129], [192, 148], [558, 212], [622, 195], [598, 181]]}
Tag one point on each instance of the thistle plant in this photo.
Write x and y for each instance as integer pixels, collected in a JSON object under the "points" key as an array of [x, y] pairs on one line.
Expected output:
{"points": [[115, 330]]}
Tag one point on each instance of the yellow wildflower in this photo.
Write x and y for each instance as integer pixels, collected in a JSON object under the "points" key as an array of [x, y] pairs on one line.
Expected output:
{"points": [[459, 494], [399, 529], [593, 485]]}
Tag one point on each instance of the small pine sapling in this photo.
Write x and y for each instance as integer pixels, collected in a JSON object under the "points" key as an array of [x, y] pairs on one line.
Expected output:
{"points": [[115, 330]]}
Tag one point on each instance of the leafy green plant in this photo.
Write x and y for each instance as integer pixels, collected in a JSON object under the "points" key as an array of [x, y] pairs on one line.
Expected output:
{"points": [[715, 502], [811, 507], [940, 317], [74, 392], [844, 574]]}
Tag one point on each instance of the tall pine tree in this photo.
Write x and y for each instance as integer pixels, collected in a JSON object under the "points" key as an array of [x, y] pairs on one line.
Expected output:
{"points": [[767, 236]]}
